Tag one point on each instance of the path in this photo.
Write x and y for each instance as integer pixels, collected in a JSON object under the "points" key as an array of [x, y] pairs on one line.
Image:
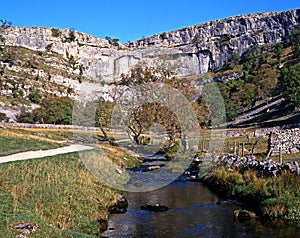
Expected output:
{"points": [[43, 153]]}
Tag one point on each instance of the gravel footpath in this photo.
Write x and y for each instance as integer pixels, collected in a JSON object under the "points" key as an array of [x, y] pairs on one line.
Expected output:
{"points": [[43, 153]]}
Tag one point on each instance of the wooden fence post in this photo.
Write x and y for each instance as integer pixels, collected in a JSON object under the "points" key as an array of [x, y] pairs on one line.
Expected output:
{"points": [[280, 154], [243, 147], [234, 150]]}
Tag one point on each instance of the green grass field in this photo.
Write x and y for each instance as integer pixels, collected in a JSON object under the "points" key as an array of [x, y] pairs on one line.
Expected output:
{"points": [[58, 193]]}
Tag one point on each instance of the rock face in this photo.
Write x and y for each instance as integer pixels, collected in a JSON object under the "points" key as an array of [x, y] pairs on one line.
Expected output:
{"points": [[190, 51]]}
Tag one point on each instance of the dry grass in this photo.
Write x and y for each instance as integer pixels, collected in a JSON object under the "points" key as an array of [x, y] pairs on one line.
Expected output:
{"points": [[58, 192], [275, 197]]}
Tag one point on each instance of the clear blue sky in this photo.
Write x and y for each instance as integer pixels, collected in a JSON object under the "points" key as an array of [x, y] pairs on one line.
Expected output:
{"points": [[130, 20]]}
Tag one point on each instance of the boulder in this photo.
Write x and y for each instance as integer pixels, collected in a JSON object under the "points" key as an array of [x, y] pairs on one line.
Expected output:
{"points": [[26, 228], [243, 215], [120, 206], [151, 168], [155, 208]]}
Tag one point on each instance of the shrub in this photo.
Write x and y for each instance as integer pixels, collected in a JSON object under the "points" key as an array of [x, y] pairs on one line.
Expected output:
{"points": [[164, 35], [115, 42], [55, 32], [3, 117], [52, 111], [35, 96], [291, 81], [49, 47]]}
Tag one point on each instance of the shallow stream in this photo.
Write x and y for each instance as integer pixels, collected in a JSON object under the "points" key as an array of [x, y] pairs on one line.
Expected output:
{"points": [[194, 212]]}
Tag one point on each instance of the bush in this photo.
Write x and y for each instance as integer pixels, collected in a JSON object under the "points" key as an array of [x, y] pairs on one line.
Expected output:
{"points": [[35, 96], [3, 117], [52, 111], [55, 32], [164, 36], [291, 77], [71, 37]]}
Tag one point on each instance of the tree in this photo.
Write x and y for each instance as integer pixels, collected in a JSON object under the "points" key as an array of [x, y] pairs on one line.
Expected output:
{"points": [[291, 81], [235, 60], [115, 42], [266, 80], [112, 41], [148, 114], [249, 61], [145, 115], [3, 26], [278, 50], [35, 96], [248, 93], [295, 42], [52, 111], [103, 114]]}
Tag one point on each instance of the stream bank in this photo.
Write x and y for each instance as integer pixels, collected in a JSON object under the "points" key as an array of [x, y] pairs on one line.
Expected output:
{"points": [[268, 188]]}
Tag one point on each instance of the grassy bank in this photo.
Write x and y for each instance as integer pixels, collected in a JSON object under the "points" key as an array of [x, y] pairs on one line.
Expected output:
{"points": [[15, 140], [58, 193], [273, 197]]}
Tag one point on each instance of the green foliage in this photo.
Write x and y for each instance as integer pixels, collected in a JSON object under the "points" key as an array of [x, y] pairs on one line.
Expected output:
{"points": [[278, 50], [4, 24], [231, 93], [11, 145], [295, 42], [35, 96], [94, 113], [291, 81], [235, 60], [115, 42], [112, 41], [249, 60], [73, 62], [71, 37], [266, 80], [62, 193], [55, 32], [260, 80], [274, 196], [52, 111], [147, 114], [215, 101], [248, 95]]}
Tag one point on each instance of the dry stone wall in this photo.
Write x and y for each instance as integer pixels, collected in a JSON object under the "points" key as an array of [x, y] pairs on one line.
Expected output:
{"points": [[286, 141]]}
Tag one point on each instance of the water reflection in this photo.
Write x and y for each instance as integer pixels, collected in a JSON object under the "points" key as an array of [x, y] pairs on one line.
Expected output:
{"points": [[193, 213]]}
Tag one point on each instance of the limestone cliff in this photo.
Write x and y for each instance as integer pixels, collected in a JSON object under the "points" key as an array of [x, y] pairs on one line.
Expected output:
{"points": [[191, 51], [42, 61]]}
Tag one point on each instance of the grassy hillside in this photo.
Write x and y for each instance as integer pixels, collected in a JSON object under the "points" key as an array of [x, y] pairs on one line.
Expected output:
{"points": [[58, 193], [13, 141], [267, 93]]}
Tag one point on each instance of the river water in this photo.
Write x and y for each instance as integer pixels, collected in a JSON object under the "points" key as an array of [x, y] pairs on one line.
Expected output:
{"points": [[194, 212]]}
